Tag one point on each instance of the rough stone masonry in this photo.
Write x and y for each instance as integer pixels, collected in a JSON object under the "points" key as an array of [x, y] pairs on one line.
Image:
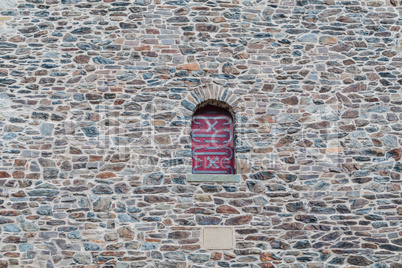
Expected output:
{"points": [[96, 100]]}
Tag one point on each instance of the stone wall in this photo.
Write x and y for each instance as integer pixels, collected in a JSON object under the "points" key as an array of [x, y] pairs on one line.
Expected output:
{"points": [[96, 99]]}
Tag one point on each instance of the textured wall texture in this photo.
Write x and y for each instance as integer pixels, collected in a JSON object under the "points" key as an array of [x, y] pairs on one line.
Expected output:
{"points": [[96, 98]]}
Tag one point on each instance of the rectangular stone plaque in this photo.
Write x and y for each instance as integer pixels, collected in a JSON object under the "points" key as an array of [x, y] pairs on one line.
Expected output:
{"points": [[218, 237]]}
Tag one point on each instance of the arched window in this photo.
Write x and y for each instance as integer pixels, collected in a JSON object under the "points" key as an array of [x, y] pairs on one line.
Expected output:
{"points": [[212, 142]]}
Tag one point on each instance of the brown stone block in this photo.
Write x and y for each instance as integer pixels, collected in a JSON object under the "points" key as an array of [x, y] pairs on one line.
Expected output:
{"points": [[126, 232], [111, 237], [77, 215], [142, 48], [350, 114], [151, 54], [258, 238], [199, 211], [19, 194], [119, 158], [267, 265], [189, 241], [152, 31], [75, 150], [242, 67], [334, 150], [82, 59], [95, 158], [118, 102], [399, 210], [191, 247], [132, 259], [189, 67], [12, 254], [229, 69], [17, 39], [33, 176], [9, 213], [266, 256], [216, 256], [3, 264], [158, 123], [113, 253], [227, 209], [179, 235], [28, 80], [355, 88], [157, 199], [105, 175], [292, 226], [239, 220], [291, 100], [218, 19], [169, 248], [18, 174], [348, 128], [319, 125], [328, 40], [4, 174], [15, 239], [162, 139], [284, 141], [229, 256]]}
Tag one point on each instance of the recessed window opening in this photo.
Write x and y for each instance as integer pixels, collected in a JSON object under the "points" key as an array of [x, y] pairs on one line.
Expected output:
{"points": [[212, 139]]}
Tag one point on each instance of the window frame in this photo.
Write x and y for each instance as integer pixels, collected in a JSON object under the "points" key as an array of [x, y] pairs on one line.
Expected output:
{"points": [[215, 177]]}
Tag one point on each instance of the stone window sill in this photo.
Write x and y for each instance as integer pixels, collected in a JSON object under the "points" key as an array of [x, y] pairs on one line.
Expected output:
{"points": [[200, 178]]}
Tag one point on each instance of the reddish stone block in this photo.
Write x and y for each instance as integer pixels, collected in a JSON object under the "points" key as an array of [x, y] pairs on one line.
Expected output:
{"points": [[106, 175], [142, 48], [227, 209], [169, 248], [239, 220], [82, 59], [189, 67], [18, 174], [4, 174], [216, 256]]}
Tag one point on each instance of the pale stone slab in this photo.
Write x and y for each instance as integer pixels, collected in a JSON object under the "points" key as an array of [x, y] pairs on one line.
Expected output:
{"points": [[213, 178], [399, 46], [5, 4], [218, 237]]}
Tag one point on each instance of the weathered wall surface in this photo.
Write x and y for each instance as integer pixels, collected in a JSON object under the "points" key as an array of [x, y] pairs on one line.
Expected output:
{"points": [[96, 99]]}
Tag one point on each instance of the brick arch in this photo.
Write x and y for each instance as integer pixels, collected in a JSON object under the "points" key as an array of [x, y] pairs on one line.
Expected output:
{"points": [[217, 103], [212, 94]]}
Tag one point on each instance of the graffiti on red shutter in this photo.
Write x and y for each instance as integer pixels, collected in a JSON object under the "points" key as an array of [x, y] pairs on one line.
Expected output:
{"points": [[212, 141]]}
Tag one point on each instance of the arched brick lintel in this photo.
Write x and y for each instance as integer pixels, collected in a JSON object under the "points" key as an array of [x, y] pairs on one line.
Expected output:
{"points": [[211, 95]]}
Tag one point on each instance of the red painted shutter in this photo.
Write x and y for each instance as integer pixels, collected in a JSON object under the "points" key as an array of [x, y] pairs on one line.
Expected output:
{"points": [[212, 141]]}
